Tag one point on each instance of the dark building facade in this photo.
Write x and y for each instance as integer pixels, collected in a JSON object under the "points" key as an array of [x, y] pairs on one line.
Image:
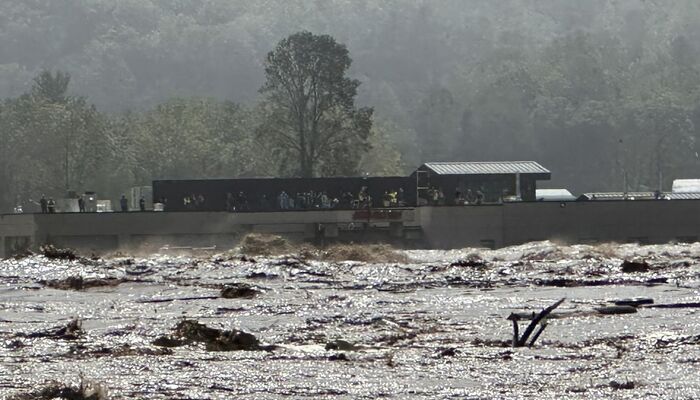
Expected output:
{"points": [[263, 194], [494, 180]]}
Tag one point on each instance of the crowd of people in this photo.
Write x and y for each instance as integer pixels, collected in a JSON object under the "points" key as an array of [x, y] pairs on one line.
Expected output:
{"points": [[241, 202], [48, 206], [435, 196]]}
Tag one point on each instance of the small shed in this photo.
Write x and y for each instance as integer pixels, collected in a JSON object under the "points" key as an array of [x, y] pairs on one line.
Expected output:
{"points": [[495, 179]]}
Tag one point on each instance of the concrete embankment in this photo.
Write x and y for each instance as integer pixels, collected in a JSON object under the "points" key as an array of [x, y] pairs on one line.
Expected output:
{"points": [[100, 232], [491, 226]]}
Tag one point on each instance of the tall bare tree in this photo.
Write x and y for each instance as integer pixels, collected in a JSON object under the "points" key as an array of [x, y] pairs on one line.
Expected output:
{"points": [[311, 105]]}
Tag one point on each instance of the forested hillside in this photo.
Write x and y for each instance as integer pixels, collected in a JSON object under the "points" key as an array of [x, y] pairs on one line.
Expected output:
{"points": [[602, 92]]}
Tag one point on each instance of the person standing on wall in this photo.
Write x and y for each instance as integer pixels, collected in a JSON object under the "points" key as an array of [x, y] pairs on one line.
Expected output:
{"points": [[142, 204], [44, 205], [124, 203], [81, 204], [51, 206]]}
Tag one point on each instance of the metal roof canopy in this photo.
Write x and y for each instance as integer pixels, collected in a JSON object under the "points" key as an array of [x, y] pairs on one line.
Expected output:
{"points": [[488, 168]]}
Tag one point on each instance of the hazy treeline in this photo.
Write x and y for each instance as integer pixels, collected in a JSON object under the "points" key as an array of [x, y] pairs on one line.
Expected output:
{"points": [[604, 93], [52, 142]]}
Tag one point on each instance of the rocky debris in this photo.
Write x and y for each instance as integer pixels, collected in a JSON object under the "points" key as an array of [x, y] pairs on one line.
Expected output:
{"points": [[53, 252], [190, 331], [239, 291], [628, 266], [80, 283], [72, 331], [88, 390]]}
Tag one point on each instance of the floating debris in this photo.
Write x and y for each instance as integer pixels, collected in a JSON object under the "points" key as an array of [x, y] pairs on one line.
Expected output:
{"points": [[87, 390], [52, 252], [338, 357], [189, 331], [239, 291], [472, 261], [80, 283], [72, 331], [622, 385], [341, 345], [123, 350], [634, 266], [635, 302]]}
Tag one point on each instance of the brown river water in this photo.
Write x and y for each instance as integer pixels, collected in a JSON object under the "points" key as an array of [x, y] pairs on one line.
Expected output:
{"points": [[431, 327]]}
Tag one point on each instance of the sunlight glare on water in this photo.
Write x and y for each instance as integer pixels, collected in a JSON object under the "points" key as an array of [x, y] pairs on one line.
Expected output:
{"points": [[432, 327]]}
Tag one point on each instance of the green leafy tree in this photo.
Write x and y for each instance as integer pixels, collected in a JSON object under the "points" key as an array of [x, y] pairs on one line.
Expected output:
{"points": [[311, 105], [51, 142], [192, 138]]}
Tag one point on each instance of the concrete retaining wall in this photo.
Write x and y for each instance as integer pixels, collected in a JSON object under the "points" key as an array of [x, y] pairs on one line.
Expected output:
{"points": [[438, 227], [573, 222], [100, 232]]}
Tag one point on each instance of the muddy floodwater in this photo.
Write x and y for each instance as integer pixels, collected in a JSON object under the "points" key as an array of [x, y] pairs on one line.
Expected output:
{"points": [[432, 326]]}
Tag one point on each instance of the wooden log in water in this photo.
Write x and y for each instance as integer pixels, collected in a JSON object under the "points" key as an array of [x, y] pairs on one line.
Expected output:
{"points": [[528, 316], [533, 324], [674, 305], [613, 310], [543, 325], [167, 300], [607, 310], [635, 302]]}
